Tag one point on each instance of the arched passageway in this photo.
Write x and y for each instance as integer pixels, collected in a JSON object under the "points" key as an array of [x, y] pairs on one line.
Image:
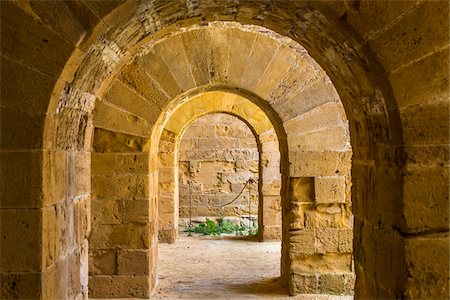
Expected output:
{"points": [[101, 83], [218, 177]]}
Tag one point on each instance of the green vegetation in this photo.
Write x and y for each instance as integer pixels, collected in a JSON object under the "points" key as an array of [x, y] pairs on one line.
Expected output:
{"points": [[222, 226]]}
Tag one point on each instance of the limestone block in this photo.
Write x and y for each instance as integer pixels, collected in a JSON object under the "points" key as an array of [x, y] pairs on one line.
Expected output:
{"points": [[136, 211], [119, 286], [304, 284], [82, 224], [242, 45], [327, 115], [329, 216], [122, 95], [302, 242], [133, 262], [20, 228], [157, 69], [166, 160], [371, 17], [336, 284], [74, 269], [271, 173], [279, 66], [431, 80], [107, 211], [272, 188], [29, 94], [136, 163], [427, 260], [327, 240], [110, 141], [220, 53], [311, 164], [177, 62], [125, 236], [410, 42], [302, 189], [113, 119], [55, 281], [167, 205], [137, 79], [103, 163], [272, 210], [298, 215], [21, 130], [329, 139], [132, 187], [319, 93], [416, 122], [21, 179], [426, 203], [50, 236], [20, 285], [330, 189], [103, 187], [320, 263], [167, 235], [31, 43], [345, 240]]}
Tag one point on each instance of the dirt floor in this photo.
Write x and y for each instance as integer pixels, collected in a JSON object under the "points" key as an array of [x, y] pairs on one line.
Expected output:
{"points": [[222, 268]]}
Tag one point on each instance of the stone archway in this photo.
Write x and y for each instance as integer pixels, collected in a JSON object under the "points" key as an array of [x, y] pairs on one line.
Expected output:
{"points": [[185, 113], [380, 67]]}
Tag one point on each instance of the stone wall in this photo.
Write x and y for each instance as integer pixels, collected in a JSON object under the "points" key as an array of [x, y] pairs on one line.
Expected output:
{"points": [[218, 154], [122, 244]]}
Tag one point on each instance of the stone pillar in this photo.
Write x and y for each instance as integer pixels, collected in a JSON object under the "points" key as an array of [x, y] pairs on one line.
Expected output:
{"points": [[167, 188], [123, 240], [270, 197]]}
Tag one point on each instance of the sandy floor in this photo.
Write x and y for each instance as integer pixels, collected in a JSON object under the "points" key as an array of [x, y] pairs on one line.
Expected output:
{"points": [[221, 268]]}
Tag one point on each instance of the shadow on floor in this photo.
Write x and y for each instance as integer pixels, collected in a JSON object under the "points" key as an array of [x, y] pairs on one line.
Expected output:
{"points": [[270, 286]]}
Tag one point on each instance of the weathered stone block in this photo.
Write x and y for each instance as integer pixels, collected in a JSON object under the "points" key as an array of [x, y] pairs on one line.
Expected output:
{"points": [[136, 164], [124, 236], [302, 189], [304, 284], [103, 163], [137, 79], [158, 70], [336, 284], [412, 42], [302, 241], [21, 179], [107, 211], [431, 79], [330, 189], [136, 211], [320, 263], [133, 262], [311, 164], [109, 141], [113, 119], [345, 240], [119, 286], [427, 260], [20, 228], [426, 198], [20, 285], [177, 62], [327, 240]]}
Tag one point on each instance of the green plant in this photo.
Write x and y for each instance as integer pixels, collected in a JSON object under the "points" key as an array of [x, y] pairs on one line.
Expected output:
{"points": [[209, 227]]}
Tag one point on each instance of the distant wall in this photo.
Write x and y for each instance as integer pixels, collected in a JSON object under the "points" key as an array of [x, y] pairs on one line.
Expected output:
{"points": [[218, 154]]}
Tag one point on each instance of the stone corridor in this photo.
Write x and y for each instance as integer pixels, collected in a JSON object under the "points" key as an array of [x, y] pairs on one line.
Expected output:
{"points": [[201, 267], [348, 101]]}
